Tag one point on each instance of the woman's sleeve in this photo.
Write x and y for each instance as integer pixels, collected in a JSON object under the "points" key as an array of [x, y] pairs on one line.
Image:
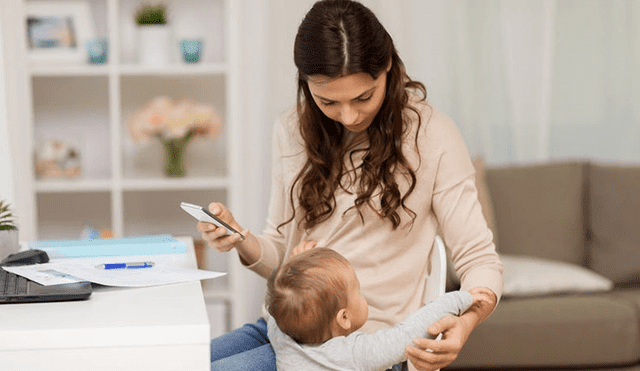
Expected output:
{"points": [[462, 223], [271, 241]]}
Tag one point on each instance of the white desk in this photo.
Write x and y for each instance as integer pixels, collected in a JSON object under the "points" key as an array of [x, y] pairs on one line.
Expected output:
{"points": [[151, 328]]}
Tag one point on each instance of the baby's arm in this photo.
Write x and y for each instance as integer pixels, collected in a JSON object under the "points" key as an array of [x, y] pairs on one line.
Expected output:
{"points": [[386, 347]]}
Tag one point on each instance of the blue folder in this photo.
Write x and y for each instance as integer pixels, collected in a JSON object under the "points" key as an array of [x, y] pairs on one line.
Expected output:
{"points": [[143, 245]]}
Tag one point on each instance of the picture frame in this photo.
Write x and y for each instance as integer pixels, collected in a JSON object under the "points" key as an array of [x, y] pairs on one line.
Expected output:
{"points": [[58, 31]]}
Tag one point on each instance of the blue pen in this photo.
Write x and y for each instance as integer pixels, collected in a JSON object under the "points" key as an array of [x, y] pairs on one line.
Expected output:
{"points": [[136, 265]]}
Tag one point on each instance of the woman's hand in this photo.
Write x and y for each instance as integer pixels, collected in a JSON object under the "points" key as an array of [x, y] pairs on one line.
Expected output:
{"points": [[217, 237], [455, 332]]}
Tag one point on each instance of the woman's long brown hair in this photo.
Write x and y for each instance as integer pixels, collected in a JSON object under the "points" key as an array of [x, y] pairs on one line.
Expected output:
{"points": [[338, 38]]}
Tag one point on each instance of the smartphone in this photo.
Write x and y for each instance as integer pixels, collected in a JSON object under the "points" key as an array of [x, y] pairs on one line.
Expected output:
{"points": [[204, 215]]}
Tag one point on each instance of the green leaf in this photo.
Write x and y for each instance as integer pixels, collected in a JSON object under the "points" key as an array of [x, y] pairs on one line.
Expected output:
{"points": [[7, 221], [152, 14]]}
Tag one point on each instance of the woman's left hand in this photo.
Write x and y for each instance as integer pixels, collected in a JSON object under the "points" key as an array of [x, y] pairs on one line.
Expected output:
{"points": [[455, 332]]}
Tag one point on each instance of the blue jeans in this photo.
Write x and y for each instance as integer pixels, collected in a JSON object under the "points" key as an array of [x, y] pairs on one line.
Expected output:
{"points": [[248, 348]]}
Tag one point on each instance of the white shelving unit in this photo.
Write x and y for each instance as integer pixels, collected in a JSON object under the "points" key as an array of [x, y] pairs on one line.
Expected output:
{"points": [[123, 186]]}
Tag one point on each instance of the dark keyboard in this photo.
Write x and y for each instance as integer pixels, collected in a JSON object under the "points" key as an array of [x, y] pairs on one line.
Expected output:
{"points": [[12, 284]]}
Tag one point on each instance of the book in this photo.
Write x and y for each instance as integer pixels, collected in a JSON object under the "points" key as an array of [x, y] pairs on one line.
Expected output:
{"points": [[86, 248]]}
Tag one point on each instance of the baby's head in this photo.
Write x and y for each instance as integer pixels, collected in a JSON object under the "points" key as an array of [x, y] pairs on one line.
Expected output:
{"points": [[315, 296]]}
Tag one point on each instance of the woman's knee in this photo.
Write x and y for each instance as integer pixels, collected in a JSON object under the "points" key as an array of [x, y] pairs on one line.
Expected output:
{"points": [[249, 336]]}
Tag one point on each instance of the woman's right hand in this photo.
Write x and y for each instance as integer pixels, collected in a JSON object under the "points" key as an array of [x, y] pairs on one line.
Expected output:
{"points": [[217, 237]]}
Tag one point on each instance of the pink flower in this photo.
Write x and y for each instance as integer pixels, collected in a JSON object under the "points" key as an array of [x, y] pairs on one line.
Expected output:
{"points": [[167, 119]]}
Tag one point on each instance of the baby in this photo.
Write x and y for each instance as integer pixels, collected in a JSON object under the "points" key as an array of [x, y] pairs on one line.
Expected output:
{"points": [[315, 308]]}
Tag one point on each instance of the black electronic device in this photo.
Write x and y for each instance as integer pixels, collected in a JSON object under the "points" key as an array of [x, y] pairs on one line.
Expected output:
{"points": [[27, 257], [203, 215], [17, 289]]}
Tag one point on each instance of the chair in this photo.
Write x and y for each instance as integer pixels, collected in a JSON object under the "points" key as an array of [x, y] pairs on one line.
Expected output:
{"points": [[437, 278]]}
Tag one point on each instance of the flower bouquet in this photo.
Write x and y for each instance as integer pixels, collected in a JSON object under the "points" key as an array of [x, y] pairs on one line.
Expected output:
{"points": [[174, 124]]}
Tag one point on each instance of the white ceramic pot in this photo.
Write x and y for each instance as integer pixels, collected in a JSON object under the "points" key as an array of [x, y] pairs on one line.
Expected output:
{"points": [[9, 243], [154, 45]]}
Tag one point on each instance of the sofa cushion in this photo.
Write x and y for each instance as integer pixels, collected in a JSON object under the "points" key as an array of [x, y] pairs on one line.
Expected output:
{"points": [[578, 330], [632, 295], [614, 245], [539, 210]]}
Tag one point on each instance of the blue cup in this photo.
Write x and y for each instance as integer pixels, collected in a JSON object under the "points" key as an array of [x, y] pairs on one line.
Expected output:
{"points": [[191, 50], [97, 51]]}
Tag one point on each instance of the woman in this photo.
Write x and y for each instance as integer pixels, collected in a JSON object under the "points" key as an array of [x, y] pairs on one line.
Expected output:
{"points": [[363, 164]]}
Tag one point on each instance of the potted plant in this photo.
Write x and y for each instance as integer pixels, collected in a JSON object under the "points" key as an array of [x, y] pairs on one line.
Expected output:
{"points": [[153, 34], [9, 243]]}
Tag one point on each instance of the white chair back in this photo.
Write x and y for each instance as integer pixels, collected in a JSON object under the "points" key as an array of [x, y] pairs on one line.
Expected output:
{"points": [[437, 279]]}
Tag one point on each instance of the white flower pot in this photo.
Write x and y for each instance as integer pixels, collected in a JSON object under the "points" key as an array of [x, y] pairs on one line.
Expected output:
{"points": [[9, 243], [154, 45]]}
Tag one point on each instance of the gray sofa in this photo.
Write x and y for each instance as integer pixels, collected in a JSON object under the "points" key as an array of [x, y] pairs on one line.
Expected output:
{"points": [[585, 213]]}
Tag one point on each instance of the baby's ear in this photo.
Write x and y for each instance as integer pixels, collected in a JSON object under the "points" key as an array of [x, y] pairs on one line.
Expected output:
{"points": [[343, 320]]}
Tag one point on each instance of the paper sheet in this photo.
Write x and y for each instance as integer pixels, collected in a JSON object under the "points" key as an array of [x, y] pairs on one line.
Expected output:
{"points": [[164, 271], [42, 274]]}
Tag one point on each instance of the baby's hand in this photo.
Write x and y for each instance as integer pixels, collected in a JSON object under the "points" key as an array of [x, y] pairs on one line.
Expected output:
{"points": [[481, 297], [302, 247]]}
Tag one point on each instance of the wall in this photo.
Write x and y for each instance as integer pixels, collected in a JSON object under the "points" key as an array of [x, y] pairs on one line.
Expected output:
{"points": [[523, 80], [6, 168], [255, 42]]}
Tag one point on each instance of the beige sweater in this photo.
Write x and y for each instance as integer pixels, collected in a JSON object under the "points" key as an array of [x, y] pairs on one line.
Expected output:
{"points": [[391, 264]]}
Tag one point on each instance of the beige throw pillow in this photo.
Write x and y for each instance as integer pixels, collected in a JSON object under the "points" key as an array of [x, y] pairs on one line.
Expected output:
{"points": [[529, 276], [614, 246], [539, 210]]}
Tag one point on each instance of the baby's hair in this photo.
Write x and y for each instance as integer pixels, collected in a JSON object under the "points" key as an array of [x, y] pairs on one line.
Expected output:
{"points": [[306, 293]]}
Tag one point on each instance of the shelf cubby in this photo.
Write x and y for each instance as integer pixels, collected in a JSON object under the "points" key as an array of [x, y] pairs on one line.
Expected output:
{"points": [[122, 185]]}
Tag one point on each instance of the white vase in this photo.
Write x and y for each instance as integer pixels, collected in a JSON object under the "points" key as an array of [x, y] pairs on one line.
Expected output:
{"points": [[9, 243], [154, 45]]}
